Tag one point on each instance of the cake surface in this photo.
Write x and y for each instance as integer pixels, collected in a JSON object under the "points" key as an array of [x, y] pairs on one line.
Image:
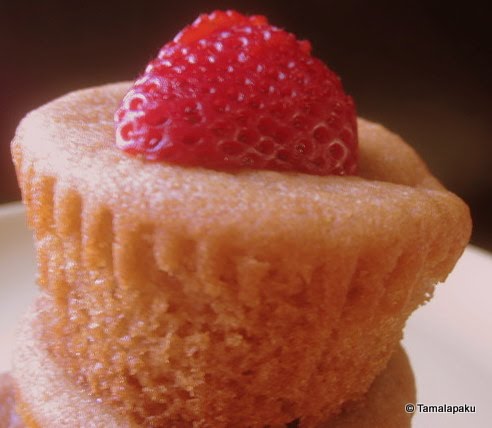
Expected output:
{"points": [[55, 401], [242, 298], [8, 415]]}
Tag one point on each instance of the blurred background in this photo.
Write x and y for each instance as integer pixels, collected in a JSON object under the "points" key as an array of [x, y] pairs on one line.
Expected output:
{"points": [[421, 68]]}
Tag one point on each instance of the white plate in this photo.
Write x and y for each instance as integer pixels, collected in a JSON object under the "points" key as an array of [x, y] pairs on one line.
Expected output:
{"points": [[448, 340]]}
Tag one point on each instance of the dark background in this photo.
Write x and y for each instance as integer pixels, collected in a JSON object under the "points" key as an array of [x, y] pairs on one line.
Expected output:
{"points": [[423, 69]]}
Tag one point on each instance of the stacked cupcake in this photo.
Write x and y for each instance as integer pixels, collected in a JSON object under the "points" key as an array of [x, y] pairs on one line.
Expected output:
{"points": [[249, 291]]}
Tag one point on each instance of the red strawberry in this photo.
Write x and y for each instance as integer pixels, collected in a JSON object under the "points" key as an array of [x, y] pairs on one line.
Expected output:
{"points": [[233, 91]]}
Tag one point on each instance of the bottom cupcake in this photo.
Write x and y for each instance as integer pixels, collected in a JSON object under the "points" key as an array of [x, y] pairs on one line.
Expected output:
{"points": [[8, 416], [47, 397]]}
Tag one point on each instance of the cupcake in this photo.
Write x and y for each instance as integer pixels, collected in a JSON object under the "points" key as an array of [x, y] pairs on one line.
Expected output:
{"points": [[242, 251], [56, 401]]}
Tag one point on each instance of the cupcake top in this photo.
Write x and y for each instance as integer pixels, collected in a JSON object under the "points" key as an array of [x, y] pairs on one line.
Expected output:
{"points": [[72, 140], [171, 114], [228, 101]]}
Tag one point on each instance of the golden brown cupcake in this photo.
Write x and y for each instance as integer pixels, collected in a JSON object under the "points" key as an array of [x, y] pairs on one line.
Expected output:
{"points": [[190, 296], [55, 401], [184, 289]]}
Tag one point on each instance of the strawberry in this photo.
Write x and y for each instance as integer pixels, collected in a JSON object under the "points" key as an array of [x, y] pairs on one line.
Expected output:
{"points": [[231, 91]]}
